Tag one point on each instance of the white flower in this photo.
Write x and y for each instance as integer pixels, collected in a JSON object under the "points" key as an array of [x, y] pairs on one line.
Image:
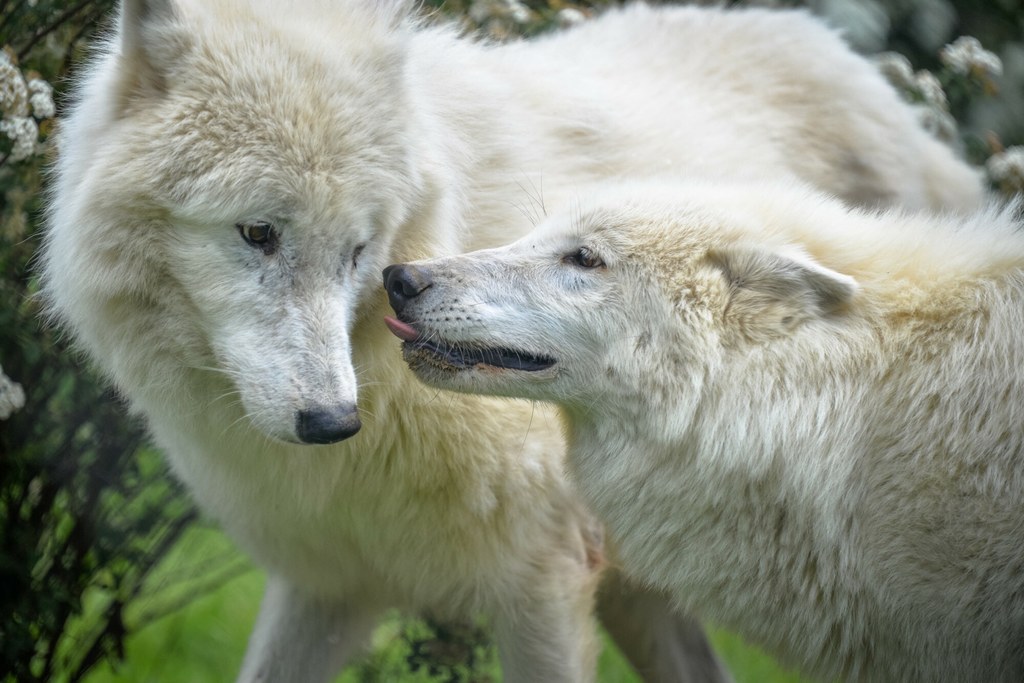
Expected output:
{"points": [[519, 12], [41, 98], [13, 93], [1006, 169], [569, 16], [482, 10], [12, 396], [937, 122], [897, 70], [967, 57], [24, 132], [931, 90]]}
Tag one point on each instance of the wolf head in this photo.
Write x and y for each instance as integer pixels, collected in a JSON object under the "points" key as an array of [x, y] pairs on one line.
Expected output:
{"points": [[227, 190], [638, 291]]}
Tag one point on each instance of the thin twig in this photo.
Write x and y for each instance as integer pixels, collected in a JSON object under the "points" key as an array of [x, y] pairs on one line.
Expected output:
{"points": [[3, 9], [10, 15], [53, 26], [200, 589]]}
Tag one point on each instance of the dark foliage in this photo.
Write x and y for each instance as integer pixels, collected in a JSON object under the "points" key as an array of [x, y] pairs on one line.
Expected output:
{"points": [[82, 506]]}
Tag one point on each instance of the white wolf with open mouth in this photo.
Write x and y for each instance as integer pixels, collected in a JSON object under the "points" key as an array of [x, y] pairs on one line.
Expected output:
{"points": [[232, 179], [832, 467]]}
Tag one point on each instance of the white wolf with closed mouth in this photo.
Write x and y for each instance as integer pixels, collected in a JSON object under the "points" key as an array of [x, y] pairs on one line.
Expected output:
{"points": [[234, 175], [803, 421]]}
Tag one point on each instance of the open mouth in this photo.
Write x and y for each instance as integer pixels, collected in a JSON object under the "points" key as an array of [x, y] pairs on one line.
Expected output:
{"points": [[461, 357]]}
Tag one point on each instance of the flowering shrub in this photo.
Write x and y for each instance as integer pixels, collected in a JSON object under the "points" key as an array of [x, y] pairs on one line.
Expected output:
{"points": [[84, 509], [23, 104], [1006, 170], [12, 396]]}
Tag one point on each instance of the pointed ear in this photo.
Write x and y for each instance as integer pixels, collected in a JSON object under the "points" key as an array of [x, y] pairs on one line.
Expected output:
{"points": [[150, 40], [772, 292]]}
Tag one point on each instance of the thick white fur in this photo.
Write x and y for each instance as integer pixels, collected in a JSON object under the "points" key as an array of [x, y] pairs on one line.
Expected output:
{"points": [[804, 421], [366, 139]]}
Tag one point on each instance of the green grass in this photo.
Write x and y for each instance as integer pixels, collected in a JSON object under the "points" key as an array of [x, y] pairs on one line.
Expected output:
{"points": [[204, 641]]}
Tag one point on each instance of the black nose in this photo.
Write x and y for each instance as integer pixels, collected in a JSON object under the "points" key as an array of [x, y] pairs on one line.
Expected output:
{"points": [[327, 424], [404, 282]]}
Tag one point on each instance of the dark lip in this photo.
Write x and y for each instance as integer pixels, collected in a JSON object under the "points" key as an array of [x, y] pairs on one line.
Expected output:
{"points": [[464, 357]]}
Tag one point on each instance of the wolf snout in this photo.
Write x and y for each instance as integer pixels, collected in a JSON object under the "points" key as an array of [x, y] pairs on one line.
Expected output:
{"points": [[327, 424], [404, 282]]}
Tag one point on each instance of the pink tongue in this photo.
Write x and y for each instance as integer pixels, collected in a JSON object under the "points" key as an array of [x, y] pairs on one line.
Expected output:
{"points": [[400, 329]]}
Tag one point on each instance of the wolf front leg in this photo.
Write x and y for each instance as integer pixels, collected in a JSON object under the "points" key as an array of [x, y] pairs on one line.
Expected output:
{"points": [[662, 644], [301, 638], [544, 626], [545, 643]]}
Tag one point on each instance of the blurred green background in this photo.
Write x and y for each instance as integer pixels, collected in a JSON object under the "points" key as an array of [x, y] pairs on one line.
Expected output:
{"points": [[203, 642], [106, 571]]}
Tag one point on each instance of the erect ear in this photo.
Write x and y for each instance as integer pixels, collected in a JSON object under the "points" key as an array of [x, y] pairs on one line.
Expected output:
{"points": [[150, 40], [772, 292]]}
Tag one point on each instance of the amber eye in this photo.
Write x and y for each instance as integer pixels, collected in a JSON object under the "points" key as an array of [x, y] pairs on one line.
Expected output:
{"points": [[584, 258], [259, 234]]}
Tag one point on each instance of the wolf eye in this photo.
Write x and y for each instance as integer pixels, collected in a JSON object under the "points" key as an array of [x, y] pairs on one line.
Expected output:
{"points": [[583, 258], [355, 254], [259, 234]]}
